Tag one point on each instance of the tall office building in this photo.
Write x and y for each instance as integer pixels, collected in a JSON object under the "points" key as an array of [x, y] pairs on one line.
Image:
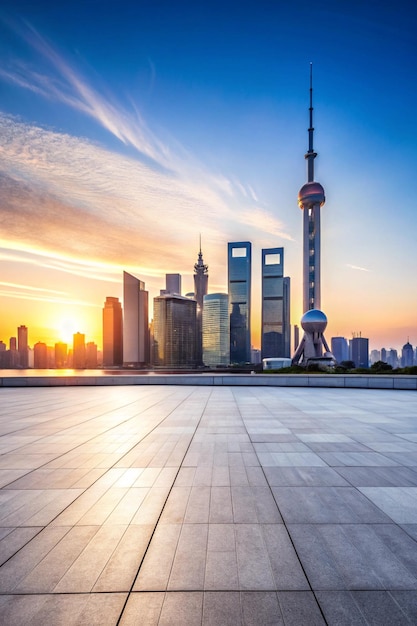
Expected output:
{"points": [[61, 355], [112, 332], [78, 354], [200, 290], [359, 351], [174, 331], [135, 322], [22, 346], [407, 355], [310, 199], [40, 355], [91, 355], [216, 330], [172, 284], [239, 267], [275, 337], [340, 349]]}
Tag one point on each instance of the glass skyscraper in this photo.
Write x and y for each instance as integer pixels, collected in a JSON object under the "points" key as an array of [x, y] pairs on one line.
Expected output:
{"points": [[174, 331], [275, 336], [216, 330], [112, 332], [239, 284]]}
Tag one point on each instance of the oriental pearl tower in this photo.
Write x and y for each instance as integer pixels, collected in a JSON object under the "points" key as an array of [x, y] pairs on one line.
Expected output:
{"points": [[313, 346]]}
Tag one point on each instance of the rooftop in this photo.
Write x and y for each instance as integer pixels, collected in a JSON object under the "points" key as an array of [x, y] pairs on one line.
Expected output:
{"points": [[214, 505]]}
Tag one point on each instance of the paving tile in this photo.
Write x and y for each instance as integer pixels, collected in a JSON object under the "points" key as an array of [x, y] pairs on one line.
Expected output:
{"points": [[308, 476], [222, 608], [400, 503], [156, 567], [181, 608], [300, 607], [143, 609]]}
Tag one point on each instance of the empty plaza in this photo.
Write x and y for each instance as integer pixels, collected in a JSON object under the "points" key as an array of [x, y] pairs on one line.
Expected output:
{"points": [[212, 505]]}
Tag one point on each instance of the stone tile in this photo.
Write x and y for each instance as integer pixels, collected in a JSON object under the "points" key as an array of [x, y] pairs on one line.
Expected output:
{"points": [[142, 609], [260, 607], [400, 503], [181, 608], [221, 608], [379, 476], [189, 563], [330, 505], [300, 607], [304, 476]]}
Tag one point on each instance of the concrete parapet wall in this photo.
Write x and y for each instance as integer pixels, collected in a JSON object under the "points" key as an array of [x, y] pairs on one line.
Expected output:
{"points": [[353, 381]]}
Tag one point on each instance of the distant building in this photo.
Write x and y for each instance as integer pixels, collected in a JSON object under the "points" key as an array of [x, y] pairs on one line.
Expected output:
{"points": [[112, 332], [40, 355], [359, 351], [61, 355], [135, 322], [172, 285], [78, 355], [255, 356], [392, 358], [91, 356], [239, 285], [216, 330], [340, 349], [375, 356], [22, 346], [3, 346], [384, 355], [275, 335], [174, 331], [407, 355], [13, 343], [296, 336]]}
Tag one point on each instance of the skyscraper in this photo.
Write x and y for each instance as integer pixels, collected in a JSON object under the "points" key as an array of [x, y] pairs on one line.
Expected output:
{"points": [[310, 199], [275, 337], [173, 284], [340, 349], [174, 331], [200, 290], [359, 351], [78, 347], [239, 284], [407, 355], [216, 330], [112, 332], [135, 322], [40, 355], [22, 345], [61, 350]]}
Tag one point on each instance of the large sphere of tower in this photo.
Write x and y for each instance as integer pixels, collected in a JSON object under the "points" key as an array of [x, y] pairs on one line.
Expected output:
{"points": [[311, 194], [314, 321]]}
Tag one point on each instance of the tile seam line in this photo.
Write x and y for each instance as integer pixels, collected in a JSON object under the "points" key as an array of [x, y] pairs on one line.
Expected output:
{"points": [[41, 528], [283, 520], [130, 591]]}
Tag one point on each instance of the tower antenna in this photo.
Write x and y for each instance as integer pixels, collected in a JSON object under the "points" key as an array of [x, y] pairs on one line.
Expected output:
{"points": [[310, 155]]}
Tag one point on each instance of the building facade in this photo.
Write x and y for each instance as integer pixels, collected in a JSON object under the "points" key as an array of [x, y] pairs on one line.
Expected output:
{"points": [[40, 355], [174, 331], [239, 271], [135, 322], [112, 332], [340, 349], [275, 335], [22, 346], [216, 330], [78, 351], [359, 351]]}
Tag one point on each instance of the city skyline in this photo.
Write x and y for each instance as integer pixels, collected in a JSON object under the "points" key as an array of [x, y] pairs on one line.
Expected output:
{"points": [[119, 149]]}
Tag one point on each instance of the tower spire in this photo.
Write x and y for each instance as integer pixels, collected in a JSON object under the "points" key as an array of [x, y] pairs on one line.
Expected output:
{"points": [[310, 154]]}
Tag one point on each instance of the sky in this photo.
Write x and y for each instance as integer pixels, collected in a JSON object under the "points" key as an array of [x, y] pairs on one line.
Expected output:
{"points": [[129, 129]]}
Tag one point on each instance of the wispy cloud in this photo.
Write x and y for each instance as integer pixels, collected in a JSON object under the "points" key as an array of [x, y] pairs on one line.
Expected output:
{"points": [[357, 267]]}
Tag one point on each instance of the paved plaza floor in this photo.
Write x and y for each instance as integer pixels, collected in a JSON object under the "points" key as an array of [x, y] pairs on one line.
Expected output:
{"points": [[208, 505]]}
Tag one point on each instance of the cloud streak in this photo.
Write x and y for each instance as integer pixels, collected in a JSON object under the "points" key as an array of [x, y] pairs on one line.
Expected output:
{"points": [[357, 267]]}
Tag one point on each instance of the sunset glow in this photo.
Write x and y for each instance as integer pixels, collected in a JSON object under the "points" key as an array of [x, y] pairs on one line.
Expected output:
{"points": [[119, 149]]}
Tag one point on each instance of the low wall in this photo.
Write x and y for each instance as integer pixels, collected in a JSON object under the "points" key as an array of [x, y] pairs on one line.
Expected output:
{"points": [[355, 381]]}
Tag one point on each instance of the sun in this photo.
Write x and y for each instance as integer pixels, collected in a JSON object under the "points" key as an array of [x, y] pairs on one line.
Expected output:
{"points": [[67, 328]]}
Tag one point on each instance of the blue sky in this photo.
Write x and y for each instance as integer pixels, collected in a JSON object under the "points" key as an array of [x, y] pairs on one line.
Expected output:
{"points": [[128, 129]]}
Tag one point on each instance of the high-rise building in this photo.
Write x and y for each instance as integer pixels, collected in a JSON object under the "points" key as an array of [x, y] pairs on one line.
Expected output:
{"points": [[216, 330], [392, 358], [340, 349], [375, 356], [313, 347], [112, 332], [384, 355], [78, 346], [22, 346], [174, 331], [172, 284], [40, 355], [200, 290], [91, 355], [239, 284], [135, 322], [61, 350], [407, 355], [359, 351], [275, 336], [13, 343]]}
